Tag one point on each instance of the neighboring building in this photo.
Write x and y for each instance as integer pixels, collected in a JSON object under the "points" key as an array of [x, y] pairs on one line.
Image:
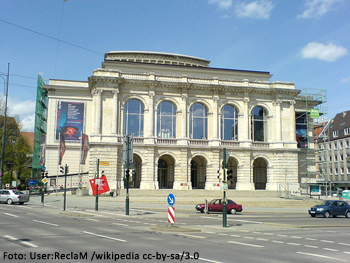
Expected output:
{"points": [[333, 146], [182, 114]]}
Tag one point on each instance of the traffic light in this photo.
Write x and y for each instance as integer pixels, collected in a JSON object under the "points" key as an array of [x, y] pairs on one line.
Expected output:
{"points": [[133, 175], [102, 173], [221, 174], [66, 169], [229, 174], [127, 173], [42, 174], [61, 169]]}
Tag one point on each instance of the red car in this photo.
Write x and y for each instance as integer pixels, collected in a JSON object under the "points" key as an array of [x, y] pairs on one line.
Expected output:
{"points": [[215, 205]]}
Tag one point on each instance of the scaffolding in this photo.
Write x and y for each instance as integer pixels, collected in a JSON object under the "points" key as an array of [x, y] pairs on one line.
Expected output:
{"points": [[311, 118], [40, 125]]}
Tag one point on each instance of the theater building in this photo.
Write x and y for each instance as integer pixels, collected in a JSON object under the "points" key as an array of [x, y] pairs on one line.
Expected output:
{"points": [[182, 114]]}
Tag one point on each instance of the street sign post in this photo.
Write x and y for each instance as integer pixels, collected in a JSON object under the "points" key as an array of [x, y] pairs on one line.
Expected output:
{"points": [[128, 159], [171, 199]]}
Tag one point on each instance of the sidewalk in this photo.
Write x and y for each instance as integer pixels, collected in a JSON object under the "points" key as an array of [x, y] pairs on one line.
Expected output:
{"points": [[158, 203]]}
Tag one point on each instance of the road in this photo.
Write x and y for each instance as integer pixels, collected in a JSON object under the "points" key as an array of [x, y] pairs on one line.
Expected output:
{"points": [[32, 233]]}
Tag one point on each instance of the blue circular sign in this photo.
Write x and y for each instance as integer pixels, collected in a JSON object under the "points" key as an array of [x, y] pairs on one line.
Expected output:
{"points": [[171, 199]]}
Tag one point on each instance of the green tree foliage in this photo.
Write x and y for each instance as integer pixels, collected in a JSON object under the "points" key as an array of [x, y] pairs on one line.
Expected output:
{"points": [[17, 148]]}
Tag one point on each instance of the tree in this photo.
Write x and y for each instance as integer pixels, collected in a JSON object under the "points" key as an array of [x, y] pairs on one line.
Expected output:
{"points": [[17, 148]]}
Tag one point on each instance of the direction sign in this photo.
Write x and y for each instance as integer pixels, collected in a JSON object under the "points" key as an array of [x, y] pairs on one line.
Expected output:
{"points": [[32, 182], [171, 199]]}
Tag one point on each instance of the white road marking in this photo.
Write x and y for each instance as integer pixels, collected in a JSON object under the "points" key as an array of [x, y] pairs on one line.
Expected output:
{"points": [[10, 215], [193, 236], [277, 241], [294, 244], [244, 244], [344, 244], [312, 239], [330, 249], [327, 241], [102, 236], [203, 259], [45, 223], [317, 255], [28, 244], [310, 246], [91, 219]]}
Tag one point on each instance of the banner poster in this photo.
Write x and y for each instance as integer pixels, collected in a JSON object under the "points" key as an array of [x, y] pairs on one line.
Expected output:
{"points": [[70, 120], [61, 149], [84, 148], [102, 185], [42, 150]]}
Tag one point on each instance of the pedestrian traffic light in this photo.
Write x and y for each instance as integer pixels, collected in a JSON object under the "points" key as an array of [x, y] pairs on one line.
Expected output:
{"points": [[102, 173], [221, 174], [61, 169], [133, 175], [42, 174], [127, 173]]}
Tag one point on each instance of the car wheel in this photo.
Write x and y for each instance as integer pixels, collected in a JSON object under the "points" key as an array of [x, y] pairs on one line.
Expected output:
{"points": [[202, 211], [326, 214], [233, 211], [313, 215], [21, 203], [347, 214], [9, 201]]}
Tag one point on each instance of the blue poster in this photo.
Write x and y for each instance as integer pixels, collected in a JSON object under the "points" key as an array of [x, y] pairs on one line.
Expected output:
{"points": [[70, 120]]}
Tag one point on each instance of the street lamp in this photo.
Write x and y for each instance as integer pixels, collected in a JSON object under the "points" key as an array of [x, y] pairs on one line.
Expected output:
{"points": [[6, 87]]}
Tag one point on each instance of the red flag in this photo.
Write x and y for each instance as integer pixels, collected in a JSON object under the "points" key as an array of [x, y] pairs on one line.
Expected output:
{"points": [[102, 185], [61, 149], [84, 148]]}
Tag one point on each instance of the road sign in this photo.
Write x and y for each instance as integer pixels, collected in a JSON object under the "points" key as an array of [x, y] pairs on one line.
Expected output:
{"points": [[171, 199], [32, 182], [171, 215], [45, 180]]}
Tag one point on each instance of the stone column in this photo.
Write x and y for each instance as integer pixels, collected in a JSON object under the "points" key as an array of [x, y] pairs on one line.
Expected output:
{"points": [[184, 116], [115, 111], [97, 97], [215, 118], [278, 121], [151, 114]]}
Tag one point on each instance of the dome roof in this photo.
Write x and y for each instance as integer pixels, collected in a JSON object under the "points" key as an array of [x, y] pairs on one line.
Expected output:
{"points": [[156, 58]]}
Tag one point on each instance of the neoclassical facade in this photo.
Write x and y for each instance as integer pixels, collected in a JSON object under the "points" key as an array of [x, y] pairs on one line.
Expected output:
{"points": [[182, 114]]}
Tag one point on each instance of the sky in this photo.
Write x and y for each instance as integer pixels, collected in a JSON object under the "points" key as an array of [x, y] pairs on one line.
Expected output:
{"points": [[302, 41]]}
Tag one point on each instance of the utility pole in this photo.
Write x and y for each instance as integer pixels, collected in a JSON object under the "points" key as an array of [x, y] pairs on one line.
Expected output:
{"points": [[224, 199], [4, 126], [65, 186], [128, 159], [97, 182]]}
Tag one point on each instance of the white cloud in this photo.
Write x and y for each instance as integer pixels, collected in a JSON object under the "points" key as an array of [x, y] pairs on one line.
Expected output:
{"points": [[258, 9], [320, 51], [224, 4], [28, 123], [345, 80], [317, 8]]}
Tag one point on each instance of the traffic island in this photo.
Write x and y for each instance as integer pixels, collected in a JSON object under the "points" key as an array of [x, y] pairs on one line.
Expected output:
{"points": [[173, 228]]}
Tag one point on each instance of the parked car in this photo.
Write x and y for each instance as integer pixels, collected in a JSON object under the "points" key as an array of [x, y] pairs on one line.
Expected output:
{"points": [[331, 208], [215, 205], [11, 196]]}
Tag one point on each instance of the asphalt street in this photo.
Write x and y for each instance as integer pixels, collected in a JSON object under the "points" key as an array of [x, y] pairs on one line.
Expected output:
{"points": [[45, 233]]}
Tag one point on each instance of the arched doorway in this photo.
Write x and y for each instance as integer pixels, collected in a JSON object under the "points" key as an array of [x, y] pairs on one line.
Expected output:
{"points": [[232, 173], [166, 172], [198, 172], [135, 172], [260, 174]]}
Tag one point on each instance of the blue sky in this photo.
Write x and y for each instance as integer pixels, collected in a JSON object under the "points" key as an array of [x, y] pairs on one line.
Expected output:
{"points": [[302, 41]]}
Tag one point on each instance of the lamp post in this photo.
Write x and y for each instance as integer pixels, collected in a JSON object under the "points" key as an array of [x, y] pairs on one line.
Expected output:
{"points": [[6, 87]]}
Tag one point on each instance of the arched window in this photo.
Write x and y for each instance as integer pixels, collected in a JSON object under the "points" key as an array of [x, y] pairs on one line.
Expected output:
{"points": [[259, 124], [229, 123], [133, 118], [166, 120], [198, 121]]}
